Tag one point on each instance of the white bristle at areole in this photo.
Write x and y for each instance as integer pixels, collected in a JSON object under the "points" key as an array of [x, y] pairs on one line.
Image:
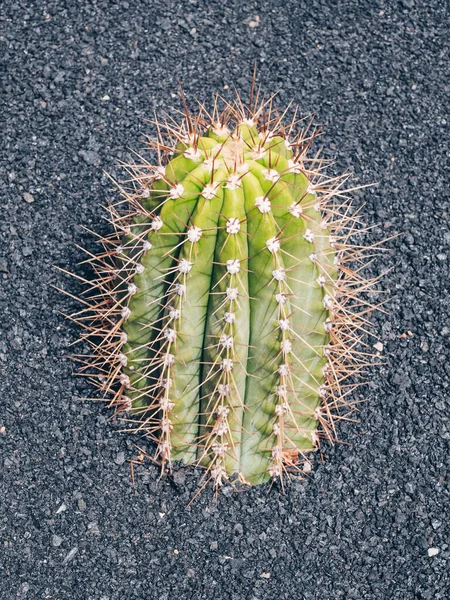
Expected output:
{"points": [[170, 334], [193, 154], [233, 181], [282, 391], [294, 167], [283, 370], [164, 449], [328, 302], [276, 453], [176, 191], [296, 210], [275, 471], [194, 234], [220, 428], [226, 365], [160, 172], [168, 360], [223, 390], [184, 266], [309, 236], [220, 130], [323, 391], [258, 153], [311, 190], [279, 274], [328, 325], [233, 266], [286, 346], [271, 175], [283, 324], [281, 409], [223, 411], [273, 245], [281, 298], [243, 168], [208, 163], [166, 425], [124, 380], [179, 289], [174, 313], [219, 449], [226, 341], [232, 293], [125, 313], [229, 317], [166, 383], [209, 191], [166, 403], [233, 226], [263, 204], [156, 224]]}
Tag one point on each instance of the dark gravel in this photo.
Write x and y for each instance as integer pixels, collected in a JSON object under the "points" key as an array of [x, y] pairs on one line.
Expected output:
{"points": [[79, 79]]}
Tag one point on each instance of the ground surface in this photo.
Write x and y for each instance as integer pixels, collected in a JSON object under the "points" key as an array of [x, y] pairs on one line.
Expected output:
{"points": [[79, 79]]}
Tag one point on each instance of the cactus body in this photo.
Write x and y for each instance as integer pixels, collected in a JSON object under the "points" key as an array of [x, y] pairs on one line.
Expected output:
{"points": [[224, 310]]}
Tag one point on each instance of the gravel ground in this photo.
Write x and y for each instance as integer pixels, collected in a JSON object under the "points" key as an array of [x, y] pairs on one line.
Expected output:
{"points": [[372, 521]]}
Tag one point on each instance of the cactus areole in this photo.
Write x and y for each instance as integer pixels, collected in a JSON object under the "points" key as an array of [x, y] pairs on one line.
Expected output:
{"points": [[225, 312]]}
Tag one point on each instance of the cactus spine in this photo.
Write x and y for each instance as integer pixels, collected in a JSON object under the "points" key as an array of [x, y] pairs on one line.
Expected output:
{"points": [[226, 314]]}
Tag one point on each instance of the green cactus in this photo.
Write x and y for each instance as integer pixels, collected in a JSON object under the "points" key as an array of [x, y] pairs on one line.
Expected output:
{"points": [[224, 315]]}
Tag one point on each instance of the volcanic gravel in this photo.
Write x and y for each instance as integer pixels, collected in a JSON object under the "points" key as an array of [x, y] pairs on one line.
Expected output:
{"points": [[372, 520]]}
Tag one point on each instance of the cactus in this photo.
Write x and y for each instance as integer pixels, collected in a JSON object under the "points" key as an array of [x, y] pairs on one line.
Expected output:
{"points": [[225, 314]]}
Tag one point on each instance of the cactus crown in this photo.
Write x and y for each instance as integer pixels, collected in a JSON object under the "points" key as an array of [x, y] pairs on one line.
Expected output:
{"points": [[226, 314]]}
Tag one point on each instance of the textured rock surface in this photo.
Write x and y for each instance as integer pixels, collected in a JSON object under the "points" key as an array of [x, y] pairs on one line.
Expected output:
{"points": [[79, 82]]}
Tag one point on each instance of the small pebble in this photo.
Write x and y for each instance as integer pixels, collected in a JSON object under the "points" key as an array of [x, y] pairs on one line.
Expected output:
{"points": [[120, 458], [90, 157], [433, 552], [28, 197], [179, 477], [70, 556]]}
